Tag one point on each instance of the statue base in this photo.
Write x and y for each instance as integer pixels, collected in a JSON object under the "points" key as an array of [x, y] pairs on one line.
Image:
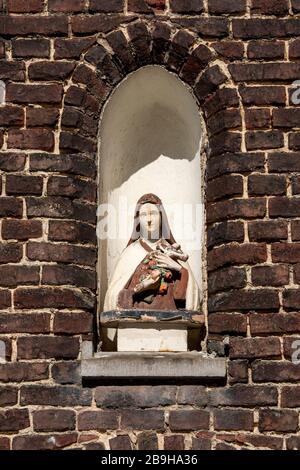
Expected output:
{"points": [[151, 330]]}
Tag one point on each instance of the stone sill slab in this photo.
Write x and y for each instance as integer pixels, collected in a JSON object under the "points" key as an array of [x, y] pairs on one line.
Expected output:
{"points": [[112, 318], [150, 365]]}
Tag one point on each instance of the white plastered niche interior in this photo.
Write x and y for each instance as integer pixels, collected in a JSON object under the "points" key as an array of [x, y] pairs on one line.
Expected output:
{"points": [[150, 141]]}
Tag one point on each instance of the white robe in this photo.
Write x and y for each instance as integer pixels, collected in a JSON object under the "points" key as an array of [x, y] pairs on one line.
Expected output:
{"points": [[130, 258]]}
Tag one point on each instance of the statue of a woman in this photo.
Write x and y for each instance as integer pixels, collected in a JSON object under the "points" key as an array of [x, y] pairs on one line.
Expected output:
{"points": [[152, 272]]}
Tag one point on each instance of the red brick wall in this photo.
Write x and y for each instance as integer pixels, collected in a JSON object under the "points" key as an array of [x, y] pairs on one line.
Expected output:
{"points": [[60, 59]]}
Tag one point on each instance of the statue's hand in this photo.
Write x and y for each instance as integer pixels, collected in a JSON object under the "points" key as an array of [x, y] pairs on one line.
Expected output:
{"points": [[164, 261]]}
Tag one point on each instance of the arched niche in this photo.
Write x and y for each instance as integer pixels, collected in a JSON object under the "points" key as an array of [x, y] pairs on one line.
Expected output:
{"points": [[150, 140]]}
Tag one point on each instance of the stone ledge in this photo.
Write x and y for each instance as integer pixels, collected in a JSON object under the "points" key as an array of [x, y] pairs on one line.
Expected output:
{"points": [[147, 365], [191, 318]]}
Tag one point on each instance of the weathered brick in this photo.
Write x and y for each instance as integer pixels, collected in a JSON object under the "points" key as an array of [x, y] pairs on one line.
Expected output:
{"points": [[263, 95], [291, 299], [293, 443], [30, 6], [71, 231], [4, 443], [238, 371], [43, 297], [186, 6], [284, 207], [11, 68], [121, 442], [142, 420], [71, 187], [258, 118], [8, 396], [23, 48], [39, 139], [11, 116], [266, 230], [43, 441], [209, 82], [207, 27], [231, 50], [10, 161], [244, 395], [201, 443], [14, 275], [56, 207], [54, 420], [25, 323], [113, 6], [275, 371], [275, 71], [98, 420], [23, 93], [11, 207], [266, 184], [222, 99], [270, 275], [66, 372], [174, 442], [290, 397], [71, 275], [139, 396], [225, 186], [97, 23], [223, 323], [73, 323], [145, 6], [24, 184], [73, 164], [45, 347], [270, 7], [50, 70], [248, 348], [225, 232], [55, 395], [36, 117], [259, 299], [147, 441], [218, 7], [247, 253], [63, 252], [23, 372], [233, 420], [284, 162], [21, 229], [274, 323], [258, 140], [14, 420], [234, 163], [192, 395], [24, 25], [186, 420], [268, 50], [294, 141], [227, 278], [10, 252], [66, 6]]}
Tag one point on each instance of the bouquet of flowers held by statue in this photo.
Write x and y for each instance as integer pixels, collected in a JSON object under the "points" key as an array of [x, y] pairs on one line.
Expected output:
{"points": [[159, 267]]}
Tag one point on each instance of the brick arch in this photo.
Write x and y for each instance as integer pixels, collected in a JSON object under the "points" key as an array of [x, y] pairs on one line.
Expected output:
{"points": [[104, 65]]}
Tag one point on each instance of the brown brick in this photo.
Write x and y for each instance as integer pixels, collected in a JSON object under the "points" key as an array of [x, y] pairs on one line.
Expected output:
{"points": [[192, 395], [50, 70], [140, 396], [147, 441], [121, 442], [40, 139], [284, 162], [43, 442], [24, 48], [225, 232], [24, 184], [30, 6], [290, 397], [145, 6], [266, 230], [294, 141], [71, 231], [244, 395], [2, 49], [274, 323], [266, 184], [225, 186], [234, 163], [291, 299], [14, 420], [293, 443], [231, 50], [23, 25], [295, 5], [270, 7], [249, 348], [233, 420], [186, 6], [98, 420], [258, 140], [66, 6], [247, 253], [73, 164], [297, 273], [275, 71], [63, 252], [36, 117], [10, 161], [21, 229], [4, 443], [13, 275], [71, 48], [44, 297], [23, 93], [45, 347], [227, 278], [270, 275], [294, 49], [11, 116], [268, 50], [25, 323], [66, 372], [11, 207], [263, 95], [55, 395], [209, 82], [201, 443], [218, 7], [71, 187], [258, 118], [186, 420], [238, 371], [291, 344], [295, 230], [284, 207], [222, 99], [223, 323], [71, 275], [236, 208], [118, 42], [259, 299], [275, 371], [113, 6], [208, 27], [73, 323], [54, 420], [10, 68], [23, 372], [10, 252], [174, 442], [8, 396], [142, 420]]}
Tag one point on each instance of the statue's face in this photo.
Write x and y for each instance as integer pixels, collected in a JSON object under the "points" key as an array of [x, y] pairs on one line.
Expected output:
{"points": [[150, 218]]}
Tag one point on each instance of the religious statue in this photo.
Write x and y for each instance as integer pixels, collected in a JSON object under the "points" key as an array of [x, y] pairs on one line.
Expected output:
{"points": [[152, 272]]}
